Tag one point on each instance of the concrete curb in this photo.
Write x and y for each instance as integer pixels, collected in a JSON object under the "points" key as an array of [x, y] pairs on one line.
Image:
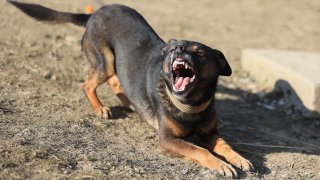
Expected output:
{"points": [[300, 69]]}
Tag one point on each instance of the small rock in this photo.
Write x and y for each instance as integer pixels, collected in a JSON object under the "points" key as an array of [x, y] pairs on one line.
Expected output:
{"points": [[185, 171], [47, 74]]}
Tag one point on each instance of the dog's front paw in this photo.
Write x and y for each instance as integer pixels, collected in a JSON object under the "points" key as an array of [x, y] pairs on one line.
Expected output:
{"points": [[222, 167], [241, 163], [226, 169], [103, 112]]}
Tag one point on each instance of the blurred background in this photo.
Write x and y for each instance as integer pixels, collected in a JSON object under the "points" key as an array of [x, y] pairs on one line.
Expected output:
{"points": [[229, 25]]}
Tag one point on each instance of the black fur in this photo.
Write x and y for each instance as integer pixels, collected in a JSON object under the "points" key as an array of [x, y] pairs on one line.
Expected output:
{"points": [[45, 14]]}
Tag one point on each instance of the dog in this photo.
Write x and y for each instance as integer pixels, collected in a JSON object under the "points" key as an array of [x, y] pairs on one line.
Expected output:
{"points": [[171, 85]]}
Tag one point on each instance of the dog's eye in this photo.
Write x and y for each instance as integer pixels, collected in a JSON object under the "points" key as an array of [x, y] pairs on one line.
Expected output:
{"points": [[200, 53]]}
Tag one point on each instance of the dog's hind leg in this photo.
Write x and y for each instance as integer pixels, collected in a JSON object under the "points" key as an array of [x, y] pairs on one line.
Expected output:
{"points": [[116, 88], [98, 75], [90, 86], [112, 78], [102, 70]]}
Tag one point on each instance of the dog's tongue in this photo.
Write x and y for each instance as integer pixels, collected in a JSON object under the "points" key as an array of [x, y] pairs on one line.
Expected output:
{"points": [[182, 82]]}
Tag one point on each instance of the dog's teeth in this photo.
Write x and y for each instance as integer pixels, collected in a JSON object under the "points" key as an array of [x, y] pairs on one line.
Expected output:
{"points": [[193, 78], [186, 66]]}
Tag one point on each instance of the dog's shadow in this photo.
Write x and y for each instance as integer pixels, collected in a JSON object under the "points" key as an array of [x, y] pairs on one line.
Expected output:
{"points": [[256, 132], [119, 112]]}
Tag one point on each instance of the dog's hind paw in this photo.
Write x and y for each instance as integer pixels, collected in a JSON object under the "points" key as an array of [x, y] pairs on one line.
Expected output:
{"points": [[103, 112]]}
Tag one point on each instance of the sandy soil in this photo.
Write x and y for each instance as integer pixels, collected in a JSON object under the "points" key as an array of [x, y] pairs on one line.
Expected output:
{"points": [[47, 129]]}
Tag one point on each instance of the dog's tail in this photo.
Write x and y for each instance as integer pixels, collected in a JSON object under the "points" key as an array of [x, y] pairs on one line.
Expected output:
{"points": [[49, 15]]}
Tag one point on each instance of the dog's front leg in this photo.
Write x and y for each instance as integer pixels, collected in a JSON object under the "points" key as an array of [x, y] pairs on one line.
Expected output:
{"points": [[215, 143], [186, 150]]}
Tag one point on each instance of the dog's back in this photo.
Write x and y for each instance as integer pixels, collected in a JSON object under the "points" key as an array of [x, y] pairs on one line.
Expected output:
{"points": [[136, 49], [121, 47]]}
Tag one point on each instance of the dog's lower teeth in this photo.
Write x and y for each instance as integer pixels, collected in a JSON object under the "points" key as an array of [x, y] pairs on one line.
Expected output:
{"points": [[193, 78]]}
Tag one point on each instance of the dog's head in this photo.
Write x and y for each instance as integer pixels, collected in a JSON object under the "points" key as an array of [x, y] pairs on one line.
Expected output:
{"points": [[191, 70]]}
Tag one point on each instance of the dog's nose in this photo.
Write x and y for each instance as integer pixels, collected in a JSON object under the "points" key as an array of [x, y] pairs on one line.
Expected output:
{"points": [[179, 49]]}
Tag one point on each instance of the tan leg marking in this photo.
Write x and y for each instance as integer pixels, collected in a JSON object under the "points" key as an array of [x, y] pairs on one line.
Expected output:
{"points": [[116, 88], [90, 86], [197, 154], [109, 58], [222, 148]]}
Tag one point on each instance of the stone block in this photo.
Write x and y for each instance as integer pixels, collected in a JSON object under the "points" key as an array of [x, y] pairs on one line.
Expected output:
{"points": [[300, 69]]}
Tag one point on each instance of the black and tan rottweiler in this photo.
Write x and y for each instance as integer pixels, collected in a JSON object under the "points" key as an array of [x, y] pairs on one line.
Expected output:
{"points": [[171, 85]]}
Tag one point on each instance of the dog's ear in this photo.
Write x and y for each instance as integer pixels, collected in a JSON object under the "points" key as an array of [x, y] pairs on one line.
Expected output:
{"points": [[224, 69], [165, 49], [171, 41]]}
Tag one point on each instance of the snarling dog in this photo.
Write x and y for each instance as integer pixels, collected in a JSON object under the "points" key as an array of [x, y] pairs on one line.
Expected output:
{"points": [[171, 85]]}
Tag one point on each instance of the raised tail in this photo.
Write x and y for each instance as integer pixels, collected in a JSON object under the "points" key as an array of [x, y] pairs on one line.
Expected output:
{"points": [[42, 13]]}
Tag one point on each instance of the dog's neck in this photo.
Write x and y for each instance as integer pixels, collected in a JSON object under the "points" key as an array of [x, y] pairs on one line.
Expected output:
{"points": [[188, 108]]}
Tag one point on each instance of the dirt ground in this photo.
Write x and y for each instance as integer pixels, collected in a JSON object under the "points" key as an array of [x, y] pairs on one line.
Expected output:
{"points": [[48, 131]]}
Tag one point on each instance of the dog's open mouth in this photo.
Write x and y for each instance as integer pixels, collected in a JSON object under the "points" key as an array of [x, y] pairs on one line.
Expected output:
{"points": [[183, 74]]}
